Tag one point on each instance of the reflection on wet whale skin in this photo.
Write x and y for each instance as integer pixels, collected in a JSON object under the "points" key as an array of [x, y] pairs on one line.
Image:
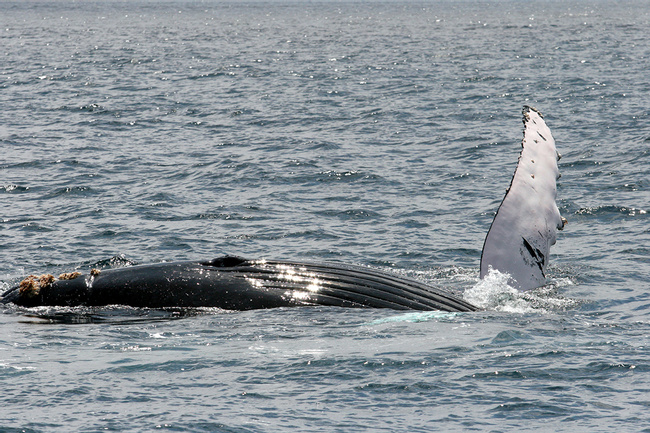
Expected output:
{"points": [[518, 244]]}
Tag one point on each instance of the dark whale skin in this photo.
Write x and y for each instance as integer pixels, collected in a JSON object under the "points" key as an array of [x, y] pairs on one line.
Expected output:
{"points": [[234, 283]]}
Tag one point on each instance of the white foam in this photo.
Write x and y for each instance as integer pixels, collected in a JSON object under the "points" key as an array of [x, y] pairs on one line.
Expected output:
{"points": [[494, 293]]}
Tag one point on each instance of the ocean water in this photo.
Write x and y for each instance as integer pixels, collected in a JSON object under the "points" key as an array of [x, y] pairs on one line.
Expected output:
{"points": [[374, 133]]}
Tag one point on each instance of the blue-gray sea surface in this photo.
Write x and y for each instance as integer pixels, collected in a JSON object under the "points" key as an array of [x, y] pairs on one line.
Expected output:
{"points": [[380, 134]]}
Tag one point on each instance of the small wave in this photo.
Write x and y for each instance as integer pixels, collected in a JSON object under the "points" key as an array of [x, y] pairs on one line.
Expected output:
{"points": [[111, 314], [611, 210], [417, 317], [5, 366], [119, 261], [13, 188], [221, 216], [90, 108], [83, 191], [33, 226], [494, 293], [350, 214], [348, 176]]}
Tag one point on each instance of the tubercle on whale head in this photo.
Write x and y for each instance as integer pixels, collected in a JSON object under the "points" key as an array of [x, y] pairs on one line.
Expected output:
{"points": [[34, 288], [69, 289], [69, 275], [31, 286]]}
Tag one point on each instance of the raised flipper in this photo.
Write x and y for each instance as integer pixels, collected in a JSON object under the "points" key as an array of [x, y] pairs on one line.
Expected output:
{"points": [[526, 224]]}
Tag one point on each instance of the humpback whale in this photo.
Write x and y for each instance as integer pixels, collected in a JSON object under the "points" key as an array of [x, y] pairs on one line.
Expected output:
{"points": [[518, 243]]}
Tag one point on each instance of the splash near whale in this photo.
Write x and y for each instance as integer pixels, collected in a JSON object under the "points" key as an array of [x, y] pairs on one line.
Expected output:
{"points": [[518, 244]]}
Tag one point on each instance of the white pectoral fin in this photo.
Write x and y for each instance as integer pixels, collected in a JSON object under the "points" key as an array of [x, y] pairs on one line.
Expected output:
{"points": [[526, 224]]}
